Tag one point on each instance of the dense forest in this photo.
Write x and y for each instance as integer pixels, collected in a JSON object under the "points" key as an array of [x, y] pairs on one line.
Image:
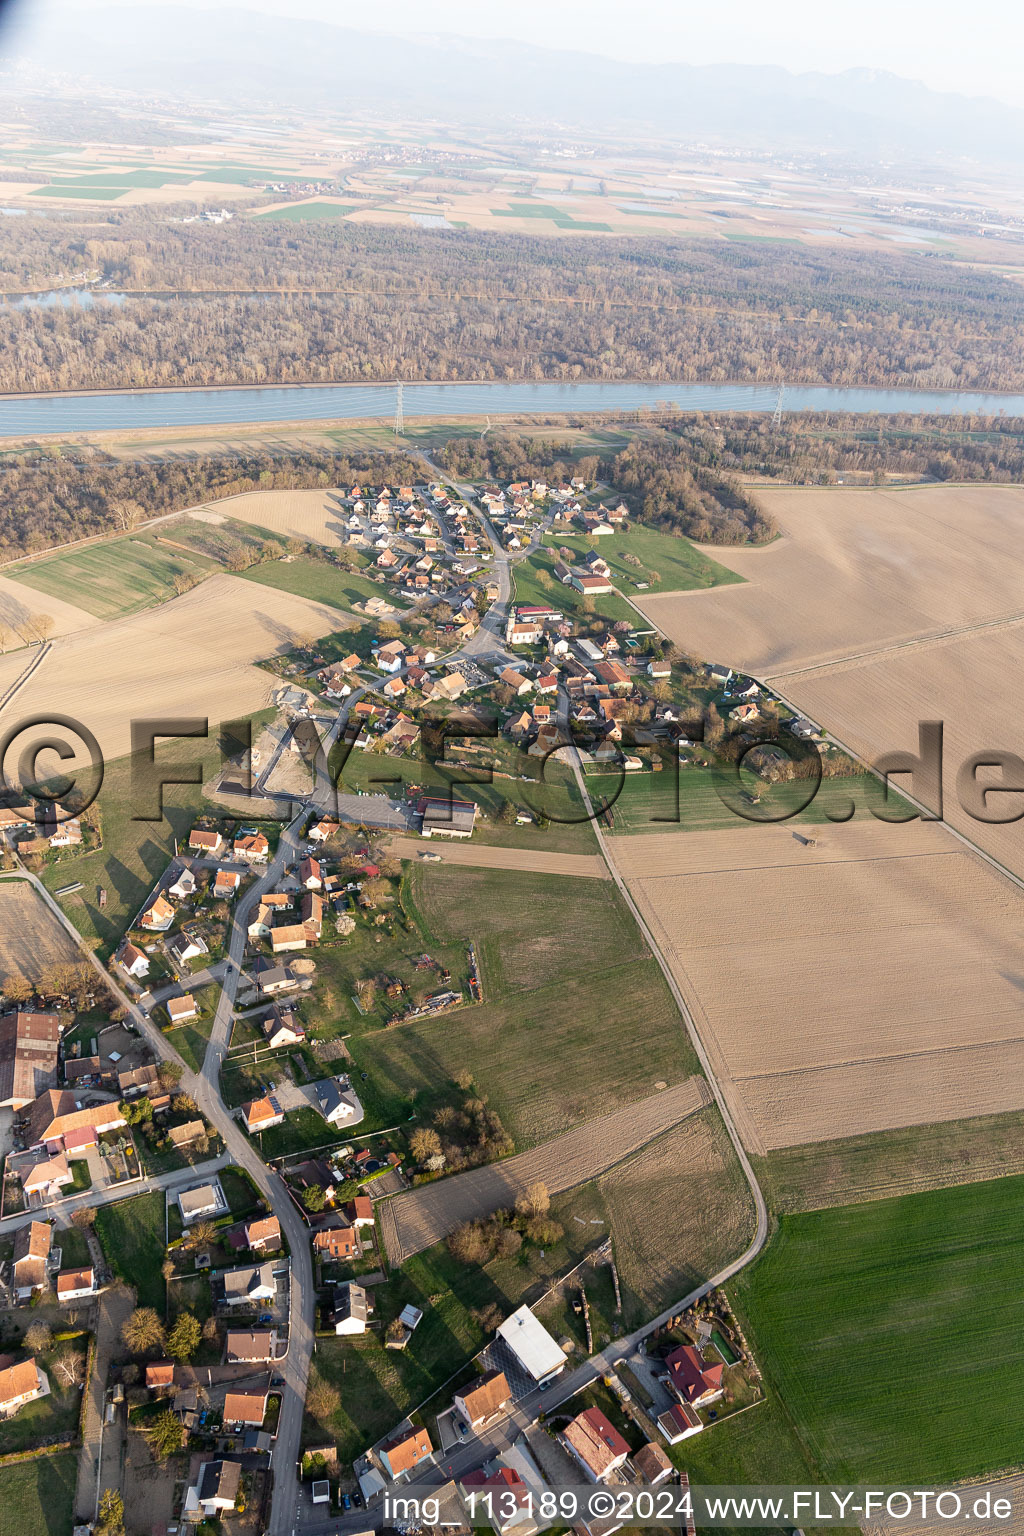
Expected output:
{"points": [[47, 500], [383, 302]]}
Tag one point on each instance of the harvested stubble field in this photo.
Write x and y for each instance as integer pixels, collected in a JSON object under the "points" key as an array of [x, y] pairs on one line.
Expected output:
{"points": [[31, 938], [316, 515], [680, 1211], [419, 1218], [869, 982], [190, 657], [855, 570]]}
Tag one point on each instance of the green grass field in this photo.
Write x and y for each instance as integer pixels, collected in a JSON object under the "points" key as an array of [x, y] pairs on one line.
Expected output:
{"points": [[113, 579], [92, 194], [680, 566], [534, 583], [132, 1236], [317, 580], [38, 1496], [890, 1332], [556, 216], [302, 211], [691, 802], [576, 1019]]}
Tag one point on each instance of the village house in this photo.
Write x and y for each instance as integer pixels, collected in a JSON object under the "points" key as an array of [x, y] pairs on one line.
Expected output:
{"points": [[323, 830], [206, 843], [591, 586], [259, 924], [157, 917], [512, 1502], [360, 1211], [249, 1284], [515, 680], [244, 1409], [20, 1384], [76, 1284], [226, 883], [180, 1009], [388, 655], [694, 1382], [214, 1491], [311, 876], [261, 1114], [409, 1449], [659, 668], [30, 1258], [58, 1122], [184, 885], [336, 1243], [263, 1234], [47, 1179], [271, 978], [254, 1346], [253, 848], [282, 1027], [595, 1443], [484, 1401], [614, 674], [678, 1422], [184, 1136], [29, 1049], [185, 947], [337, 1101], [194, 1204], [351, 1308], [285, 937], [133, 960], [160, 1376]]}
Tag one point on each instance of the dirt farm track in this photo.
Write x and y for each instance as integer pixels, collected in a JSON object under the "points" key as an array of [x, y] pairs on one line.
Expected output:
{"points": [[872, 981]]}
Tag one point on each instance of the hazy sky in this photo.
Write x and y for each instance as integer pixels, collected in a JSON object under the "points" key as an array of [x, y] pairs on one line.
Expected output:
{"points": [[974, 47]]}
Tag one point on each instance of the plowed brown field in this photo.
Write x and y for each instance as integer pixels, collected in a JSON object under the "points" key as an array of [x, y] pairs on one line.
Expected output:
{"points": [[872, 981]]}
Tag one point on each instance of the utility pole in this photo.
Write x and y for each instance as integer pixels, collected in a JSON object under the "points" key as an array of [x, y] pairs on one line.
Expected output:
{"points": [[399, 417], [777, 413]]}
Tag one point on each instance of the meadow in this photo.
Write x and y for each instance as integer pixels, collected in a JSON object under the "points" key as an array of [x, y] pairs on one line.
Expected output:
{"points": [[131, 1233], [890, 1332], [318, 581], [680, 565], [38, 1495], [116, 578]]}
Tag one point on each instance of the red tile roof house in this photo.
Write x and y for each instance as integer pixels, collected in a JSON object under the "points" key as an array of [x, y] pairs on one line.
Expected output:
{"points": [[205, 842], [158, 917], [484, 1401], [245, 1408], [405, 1451], [160, 1377], [252, 1347], [55, 1121], [133, 960], [21, 1384], [261, 1114], [513, 1501], [360, 1211], [311, 875], [227, 882], [263, 1233], [694, 1382], [595, 1443], [336, 1243], [73, 1284], [679, 1422]]}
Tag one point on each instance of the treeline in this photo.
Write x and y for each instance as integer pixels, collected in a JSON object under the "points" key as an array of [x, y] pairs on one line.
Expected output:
{"points": [[666, 483], [53, 499], [442, 305], [818, 449]]}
